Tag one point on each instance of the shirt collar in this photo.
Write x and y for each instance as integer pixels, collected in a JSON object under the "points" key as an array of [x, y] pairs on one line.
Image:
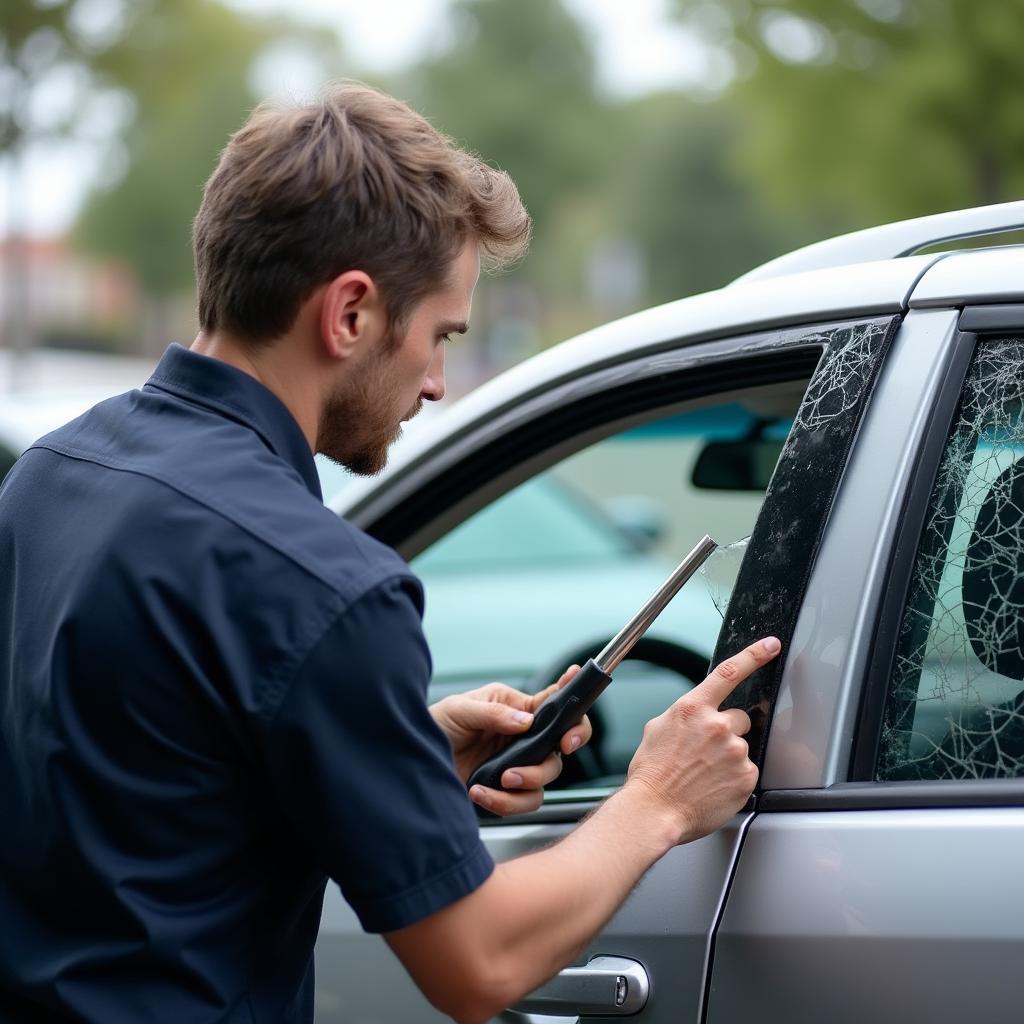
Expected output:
{"points": [[217, 385]]}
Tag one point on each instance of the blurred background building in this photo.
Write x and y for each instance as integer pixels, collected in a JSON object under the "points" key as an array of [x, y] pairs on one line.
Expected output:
{"points": [[662, 146]]}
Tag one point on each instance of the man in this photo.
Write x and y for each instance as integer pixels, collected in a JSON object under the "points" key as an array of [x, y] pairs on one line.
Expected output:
{"points": [[213, 690]]}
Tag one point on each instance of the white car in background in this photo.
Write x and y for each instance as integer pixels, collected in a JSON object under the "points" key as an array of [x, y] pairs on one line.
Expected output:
{"points": [[27, 415], [45, 388]]}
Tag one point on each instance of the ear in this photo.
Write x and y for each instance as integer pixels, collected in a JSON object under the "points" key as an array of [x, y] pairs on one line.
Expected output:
{"points": [[352, 314]]}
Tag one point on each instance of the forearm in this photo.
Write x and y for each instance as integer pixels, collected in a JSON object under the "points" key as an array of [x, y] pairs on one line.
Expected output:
{"points": [[560, 897], [537, 912], [690, 774]]}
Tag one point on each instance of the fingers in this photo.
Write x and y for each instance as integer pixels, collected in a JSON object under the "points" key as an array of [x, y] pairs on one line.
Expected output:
{"points": [[576, 737], [731, 672], [506, 803], [524, 788], [501, 693], [739, 721], [492, 716], [535, 776], [566, 676], [538, 698]]}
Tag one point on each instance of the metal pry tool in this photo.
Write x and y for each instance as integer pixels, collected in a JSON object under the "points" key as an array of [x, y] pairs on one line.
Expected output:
{"points": [[566, 708]]}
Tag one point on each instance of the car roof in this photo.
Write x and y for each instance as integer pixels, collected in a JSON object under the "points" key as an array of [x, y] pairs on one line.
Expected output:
{"points": [[828, 281], [900, 238], [867, 289]]}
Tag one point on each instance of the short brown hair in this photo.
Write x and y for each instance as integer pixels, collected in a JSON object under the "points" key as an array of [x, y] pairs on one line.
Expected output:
{"points": [[356, 181]]}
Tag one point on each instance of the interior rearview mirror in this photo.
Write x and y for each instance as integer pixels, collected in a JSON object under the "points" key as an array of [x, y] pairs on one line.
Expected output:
{"points": [[745, 465]]}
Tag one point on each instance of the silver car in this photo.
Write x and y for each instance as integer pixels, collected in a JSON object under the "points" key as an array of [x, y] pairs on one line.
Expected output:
{"points": [[857, 411]]}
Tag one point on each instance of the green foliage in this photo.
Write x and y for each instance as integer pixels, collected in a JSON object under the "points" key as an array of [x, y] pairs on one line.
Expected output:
{"points": [[880, 109], [699, 220], [516, 83], [188, 66], [35, 38]]}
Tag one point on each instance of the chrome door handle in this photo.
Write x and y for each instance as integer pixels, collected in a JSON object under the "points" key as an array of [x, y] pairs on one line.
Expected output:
{"points": [[609, 986]]}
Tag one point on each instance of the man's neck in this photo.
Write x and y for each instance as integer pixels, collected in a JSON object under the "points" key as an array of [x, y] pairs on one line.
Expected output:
{"points": [[268, 364]]}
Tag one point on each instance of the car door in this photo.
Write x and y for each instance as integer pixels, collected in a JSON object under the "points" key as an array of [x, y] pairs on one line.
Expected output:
{"points": [[572, 432], [879, 878]]}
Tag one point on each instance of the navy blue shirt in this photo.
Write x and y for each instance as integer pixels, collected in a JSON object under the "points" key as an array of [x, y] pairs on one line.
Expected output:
{"points": [[212, 698]]}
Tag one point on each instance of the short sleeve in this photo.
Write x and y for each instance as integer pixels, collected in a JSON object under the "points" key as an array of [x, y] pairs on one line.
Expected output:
{"points": [[365, 773]]}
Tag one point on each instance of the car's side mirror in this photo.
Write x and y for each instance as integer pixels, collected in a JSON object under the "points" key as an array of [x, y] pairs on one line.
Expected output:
{"points": [[745, 465]]}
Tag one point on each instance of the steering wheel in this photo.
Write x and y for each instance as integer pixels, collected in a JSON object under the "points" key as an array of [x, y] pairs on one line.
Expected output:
{"points": [[589, 764]]}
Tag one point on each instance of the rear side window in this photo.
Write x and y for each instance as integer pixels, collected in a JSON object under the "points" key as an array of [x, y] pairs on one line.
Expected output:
{"points": [[955, 707]]}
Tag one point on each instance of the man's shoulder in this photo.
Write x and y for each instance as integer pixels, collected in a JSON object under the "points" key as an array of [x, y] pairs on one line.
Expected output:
{"points": [[248, 497], [344, 556]]}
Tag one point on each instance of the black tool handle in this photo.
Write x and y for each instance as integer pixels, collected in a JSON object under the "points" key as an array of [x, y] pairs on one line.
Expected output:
{"points": [[556, 716]]}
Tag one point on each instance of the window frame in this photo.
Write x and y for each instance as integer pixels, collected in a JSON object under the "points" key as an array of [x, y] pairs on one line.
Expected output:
{"points": [[860, 790], [976, 326], [903, 557], [456, 478], [478, 468], [778, 583]]}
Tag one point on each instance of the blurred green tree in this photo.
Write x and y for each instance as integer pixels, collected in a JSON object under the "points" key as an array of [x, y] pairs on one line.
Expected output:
{"points": [[188, 66], [875, 109], [517, 84], [35, 38], [633, 201], [699, 220], [46, 47]]}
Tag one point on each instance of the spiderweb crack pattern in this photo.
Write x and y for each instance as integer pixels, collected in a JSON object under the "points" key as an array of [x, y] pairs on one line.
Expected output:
{"points": [[956, 706], [839, 380], [774, 571]]}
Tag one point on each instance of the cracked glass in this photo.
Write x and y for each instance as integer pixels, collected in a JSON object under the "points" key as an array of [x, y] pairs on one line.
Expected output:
{"points": [[955, 707], [780, 553], [543, 576]]}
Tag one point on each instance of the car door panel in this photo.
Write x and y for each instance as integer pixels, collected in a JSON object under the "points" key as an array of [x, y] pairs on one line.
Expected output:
{"points": [[665, 925], [886, 916], [377, 989], [855, 897]]}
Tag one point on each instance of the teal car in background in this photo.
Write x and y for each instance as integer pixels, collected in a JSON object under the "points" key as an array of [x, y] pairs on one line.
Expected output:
{"points": [[546, 574]]}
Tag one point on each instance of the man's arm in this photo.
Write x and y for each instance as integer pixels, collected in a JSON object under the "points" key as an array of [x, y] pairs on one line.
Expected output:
{"points": [[534, 914]]}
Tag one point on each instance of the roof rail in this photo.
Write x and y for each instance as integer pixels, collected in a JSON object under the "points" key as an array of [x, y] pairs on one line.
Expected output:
{"points": [[889, 241]]}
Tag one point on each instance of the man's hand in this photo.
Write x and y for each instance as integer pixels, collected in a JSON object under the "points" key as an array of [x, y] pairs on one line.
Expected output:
{"points": [[536, 913], [693, 763], [480, 722]]}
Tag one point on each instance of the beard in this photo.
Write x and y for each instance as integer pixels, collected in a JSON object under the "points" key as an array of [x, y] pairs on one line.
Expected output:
{"points": [[363, 417]]}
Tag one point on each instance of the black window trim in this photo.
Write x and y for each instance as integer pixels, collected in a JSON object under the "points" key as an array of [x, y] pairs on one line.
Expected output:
{"points": [[878, 796], [481, 468]]}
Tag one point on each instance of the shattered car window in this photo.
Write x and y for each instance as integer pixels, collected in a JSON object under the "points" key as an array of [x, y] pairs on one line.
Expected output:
{"points": [[955, 707], [781, 551]]}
